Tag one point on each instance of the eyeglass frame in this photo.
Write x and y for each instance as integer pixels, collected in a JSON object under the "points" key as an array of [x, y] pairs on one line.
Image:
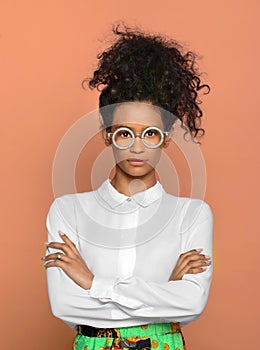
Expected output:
{"points": [[163, 133]]}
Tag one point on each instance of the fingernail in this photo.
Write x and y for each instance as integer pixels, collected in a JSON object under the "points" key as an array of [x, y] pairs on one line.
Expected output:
{"points": [[43, 258], [207, 256], [61, 233], [199, 250], [46, 242]]}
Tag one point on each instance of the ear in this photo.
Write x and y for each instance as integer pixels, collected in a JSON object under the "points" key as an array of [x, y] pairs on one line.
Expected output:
{"points": [[167, 140], [105, 138]]}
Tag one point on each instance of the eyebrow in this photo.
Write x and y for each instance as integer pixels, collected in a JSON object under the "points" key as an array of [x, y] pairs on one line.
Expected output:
{"points": [[124, 126]]}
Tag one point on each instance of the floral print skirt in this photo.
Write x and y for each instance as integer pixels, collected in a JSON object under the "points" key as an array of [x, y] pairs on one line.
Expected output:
{"points": [[159, 336]]}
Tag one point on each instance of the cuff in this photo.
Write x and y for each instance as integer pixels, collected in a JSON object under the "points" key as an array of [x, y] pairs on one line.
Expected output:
{"points": [[102, 288]]}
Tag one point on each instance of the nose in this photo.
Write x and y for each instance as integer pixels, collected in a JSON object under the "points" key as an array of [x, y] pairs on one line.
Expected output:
{"points": [[138, 146]]}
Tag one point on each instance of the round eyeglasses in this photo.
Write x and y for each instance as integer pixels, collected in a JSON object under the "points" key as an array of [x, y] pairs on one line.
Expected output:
{"points": [[152, 137]]}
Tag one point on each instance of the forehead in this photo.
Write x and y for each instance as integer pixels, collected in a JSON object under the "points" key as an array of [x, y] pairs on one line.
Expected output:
{"points": [[137, 114]]}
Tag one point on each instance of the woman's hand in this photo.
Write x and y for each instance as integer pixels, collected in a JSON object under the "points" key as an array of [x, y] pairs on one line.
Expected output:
{"points": [[189, 262], [71, 262]]}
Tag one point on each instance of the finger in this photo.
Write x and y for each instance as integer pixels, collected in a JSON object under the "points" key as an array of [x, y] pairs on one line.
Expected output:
{"points": [[197, 265], [59, 256], [61, 246], [190, 253], [200, 263], [196, 257], [191, 261], [194, 269], [198, 270], [193, 257], [66, 239], [186, 257], [57, 262]]}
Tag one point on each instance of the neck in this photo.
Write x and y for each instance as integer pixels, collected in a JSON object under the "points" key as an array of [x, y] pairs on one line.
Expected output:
{"points": [[130, 185]]}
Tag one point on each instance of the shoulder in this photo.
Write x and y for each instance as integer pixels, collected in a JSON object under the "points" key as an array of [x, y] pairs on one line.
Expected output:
{"points": [[66, 203], [199, 208], [190, 206], [190, 210], [62, 213], [195, 212]]}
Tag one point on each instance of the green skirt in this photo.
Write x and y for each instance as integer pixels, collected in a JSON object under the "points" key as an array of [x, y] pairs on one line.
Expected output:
{"points": [[159, 336]]}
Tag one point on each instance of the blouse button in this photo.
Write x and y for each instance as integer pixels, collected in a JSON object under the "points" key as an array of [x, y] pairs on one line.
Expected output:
{"points": [[129, 199]]}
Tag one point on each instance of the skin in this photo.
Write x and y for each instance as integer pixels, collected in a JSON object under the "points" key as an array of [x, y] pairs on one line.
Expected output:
{"points": [[128, 179], [72, 263]]}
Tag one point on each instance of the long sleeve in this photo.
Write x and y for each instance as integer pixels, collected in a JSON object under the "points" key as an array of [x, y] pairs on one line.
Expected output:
{"points": [[177, 301], [115, 301], [69, 302]]}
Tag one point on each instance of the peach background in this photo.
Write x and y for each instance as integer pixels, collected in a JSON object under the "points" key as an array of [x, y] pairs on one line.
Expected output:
{"points": [[47, 48]]}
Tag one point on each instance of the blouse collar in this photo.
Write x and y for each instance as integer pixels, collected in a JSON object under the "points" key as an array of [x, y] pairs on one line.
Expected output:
{"points": [[144, 198]]}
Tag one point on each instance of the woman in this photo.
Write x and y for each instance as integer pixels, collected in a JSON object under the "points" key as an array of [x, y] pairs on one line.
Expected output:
{"points": [[124, 262]]}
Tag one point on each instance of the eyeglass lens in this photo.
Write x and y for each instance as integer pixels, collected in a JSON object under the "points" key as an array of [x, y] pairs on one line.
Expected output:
{"points": [[124, 137]]}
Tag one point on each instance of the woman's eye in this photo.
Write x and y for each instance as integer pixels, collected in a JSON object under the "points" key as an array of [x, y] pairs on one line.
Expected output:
{"points": [[125, 133], [150, 133]]}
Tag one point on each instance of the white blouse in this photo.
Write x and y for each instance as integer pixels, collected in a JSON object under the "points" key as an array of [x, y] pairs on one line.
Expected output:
{"points": [[131, 245]]}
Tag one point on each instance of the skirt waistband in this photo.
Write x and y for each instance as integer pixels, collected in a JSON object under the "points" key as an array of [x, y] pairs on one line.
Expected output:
{"points": [[124, 332]]}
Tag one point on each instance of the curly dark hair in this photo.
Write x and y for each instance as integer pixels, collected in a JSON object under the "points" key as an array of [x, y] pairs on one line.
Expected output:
{"points": [[145, 67]]}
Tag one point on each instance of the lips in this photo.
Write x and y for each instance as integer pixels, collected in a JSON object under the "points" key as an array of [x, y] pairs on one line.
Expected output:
{"points": [[136, 161]]}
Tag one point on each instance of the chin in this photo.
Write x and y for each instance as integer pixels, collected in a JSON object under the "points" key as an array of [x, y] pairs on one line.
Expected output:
{"points": [[136, 170]]}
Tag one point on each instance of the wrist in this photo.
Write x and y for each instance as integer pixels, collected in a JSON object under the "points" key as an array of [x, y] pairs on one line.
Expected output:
{"points": [[87, 282]]}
